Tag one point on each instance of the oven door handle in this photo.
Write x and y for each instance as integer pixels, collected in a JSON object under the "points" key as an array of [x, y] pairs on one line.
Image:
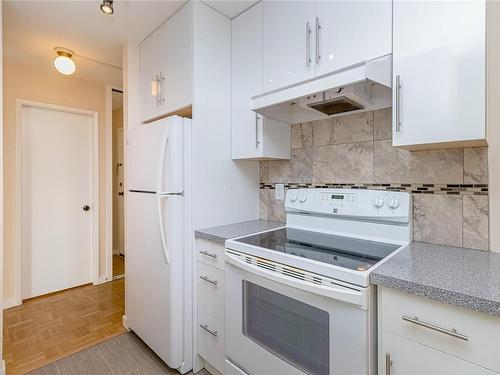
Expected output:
{"points": [[337, 292]]}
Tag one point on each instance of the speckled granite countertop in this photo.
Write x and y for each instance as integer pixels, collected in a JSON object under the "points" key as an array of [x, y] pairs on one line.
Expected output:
{"points": [[226, 232], [461, 277]]}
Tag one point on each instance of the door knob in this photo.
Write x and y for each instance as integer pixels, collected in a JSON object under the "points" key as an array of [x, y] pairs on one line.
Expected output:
{"points": [[86, 208]]}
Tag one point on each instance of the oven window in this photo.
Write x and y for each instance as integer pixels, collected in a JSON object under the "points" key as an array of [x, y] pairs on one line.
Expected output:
{"points": [[292, 330]]}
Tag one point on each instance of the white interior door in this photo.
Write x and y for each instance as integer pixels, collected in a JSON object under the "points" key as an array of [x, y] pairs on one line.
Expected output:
{"points": [[56, 178]]}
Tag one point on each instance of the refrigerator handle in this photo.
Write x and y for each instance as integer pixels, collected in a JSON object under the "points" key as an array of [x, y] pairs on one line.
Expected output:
{"points": [[159, 183], [162, 229]]}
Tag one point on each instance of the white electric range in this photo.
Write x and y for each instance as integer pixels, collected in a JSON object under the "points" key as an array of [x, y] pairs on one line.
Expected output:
{"points": [[298, 298]]}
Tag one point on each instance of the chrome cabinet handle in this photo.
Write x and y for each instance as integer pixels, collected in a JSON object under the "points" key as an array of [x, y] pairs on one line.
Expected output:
{"points": [[162, 80], [308, 44], [205, 328], [257, 118], [159, 92], [208, 254], [398, 103], [158, 89], [318, 30], [205, 278], [388, 364], [450, 332]]}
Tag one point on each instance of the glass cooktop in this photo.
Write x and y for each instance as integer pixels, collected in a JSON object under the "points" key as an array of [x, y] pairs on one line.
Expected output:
{"points": [[347, 252]]}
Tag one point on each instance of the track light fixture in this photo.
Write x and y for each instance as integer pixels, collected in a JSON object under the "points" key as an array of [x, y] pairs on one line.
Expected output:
{"points": [[107, 6]]}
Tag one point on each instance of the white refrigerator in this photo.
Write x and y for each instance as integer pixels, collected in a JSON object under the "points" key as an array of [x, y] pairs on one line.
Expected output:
{"points": [[159, 239]]}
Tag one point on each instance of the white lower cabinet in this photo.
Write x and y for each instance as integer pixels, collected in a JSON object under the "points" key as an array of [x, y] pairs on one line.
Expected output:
{"points": [[424, 337], [210, 301], [411, 358]]}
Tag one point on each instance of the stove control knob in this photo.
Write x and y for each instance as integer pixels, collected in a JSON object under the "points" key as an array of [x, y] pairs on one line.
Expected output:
{"points": [[393, 204], [378, 202], [303, 198], [293, 198]]}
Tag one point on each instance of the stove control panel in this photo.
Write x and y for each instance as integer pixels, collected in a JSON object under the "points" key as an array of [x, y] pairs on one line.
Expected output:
{"points": [[339, 200], [361, 203]]}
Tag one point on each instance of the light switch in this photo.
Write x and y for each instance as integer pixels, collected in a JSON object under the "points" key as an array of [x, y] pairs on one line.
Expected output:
{"points": [[280, 191]]}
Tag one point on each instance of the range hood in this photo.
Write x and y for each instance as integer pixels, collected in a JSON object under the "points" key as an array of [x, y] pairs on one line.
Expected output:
{"points": [[361, 87]]}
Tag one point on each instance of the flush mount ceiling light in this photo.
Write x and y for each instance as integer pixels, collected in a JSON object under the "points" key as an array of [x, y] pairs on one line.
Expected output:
{"points": [[63, 62], [107, 6]]}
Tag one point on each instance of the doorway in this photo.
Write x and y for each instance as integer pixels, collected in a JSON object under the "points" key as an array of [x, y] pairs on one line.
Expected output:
{"points": [[118, 186], [58, 198]]}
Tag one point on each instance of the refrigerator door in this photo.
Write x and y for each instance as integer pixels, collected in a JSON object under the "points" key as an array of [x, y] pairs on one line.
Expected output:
{"points": [[155, 156], [155, 286]]}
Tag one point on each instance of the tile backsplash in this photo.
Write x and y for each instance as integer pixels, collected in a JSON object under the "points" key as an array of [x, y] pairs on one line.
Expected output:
{"points": [[449, 186]]}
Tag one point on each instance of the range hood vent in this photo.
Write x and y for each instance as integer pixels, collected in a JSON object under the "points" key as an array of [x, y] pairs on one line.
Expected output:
{"points": [[361, 87], [335, 106]]}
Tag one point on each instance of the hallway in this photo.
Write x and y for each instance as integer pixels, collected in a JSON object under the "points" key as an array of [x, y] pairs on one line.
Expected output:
{"points": [[47, 328]]}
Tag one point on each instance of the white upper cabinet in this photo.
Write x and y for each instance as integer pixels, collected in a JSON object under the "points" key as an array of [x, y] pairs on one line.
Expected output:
{"points": [[289, 45], [166, 67], [350, 32], [439, 64], [253, 136]]}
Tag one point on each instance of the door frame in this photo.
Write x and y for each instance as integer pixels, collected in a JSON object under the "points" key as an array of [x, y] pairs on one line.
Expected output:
{"points": [[94, 233], [108, 242]]}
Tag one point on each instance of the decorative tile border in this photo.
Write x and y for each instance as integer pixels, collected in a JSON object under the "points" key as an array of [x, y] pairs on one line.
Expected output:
{"points": [[447, 189]]}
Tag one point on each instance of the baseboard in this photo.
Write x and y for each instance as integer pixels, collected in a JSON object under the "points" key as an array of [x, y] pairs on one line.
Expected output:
{"points": [[10, 302], [211, 369], [103, 279], [124, 322], [117, 251], [2, 368]]}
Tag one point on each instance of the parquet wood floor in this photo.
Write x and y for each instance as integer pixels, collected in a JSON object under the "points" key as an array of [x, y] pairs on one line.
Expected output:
{"points": [[45, 329], [118, 265]]}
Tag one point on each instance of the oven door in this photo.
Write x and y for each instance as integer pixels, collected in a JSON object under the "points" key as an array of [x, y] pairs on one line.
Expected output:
{"points": [[280, 325]]}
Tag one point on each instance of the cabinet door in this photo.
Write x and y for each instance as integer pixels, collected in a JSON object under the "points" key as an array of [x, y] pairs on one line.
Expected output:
{"points": [[349, 32], [288, 43], [247, 60], [439, 60], [150, 66], [176, 59], [411, 358], [166, 67], [253, 136]]}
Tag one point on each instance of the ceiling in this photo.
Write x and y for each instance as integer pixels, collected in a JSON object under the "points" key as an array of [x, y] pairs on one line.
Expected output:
{"points": [[230, 8], [33, 28]]}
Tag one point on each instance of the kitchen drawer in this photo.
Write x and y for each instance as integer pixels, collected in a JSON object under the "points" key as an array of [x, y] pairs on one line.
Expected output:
{"points": [[481, 346], [210, 253], [211, 340], [411, 358], [210, 296]]}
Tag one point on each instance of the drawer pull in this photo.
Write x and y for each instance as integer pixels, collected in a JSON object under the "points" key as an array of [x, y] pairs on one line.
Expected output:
{"points": [[205, 328], [213, 282], [450, 332], [208, 254]]}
